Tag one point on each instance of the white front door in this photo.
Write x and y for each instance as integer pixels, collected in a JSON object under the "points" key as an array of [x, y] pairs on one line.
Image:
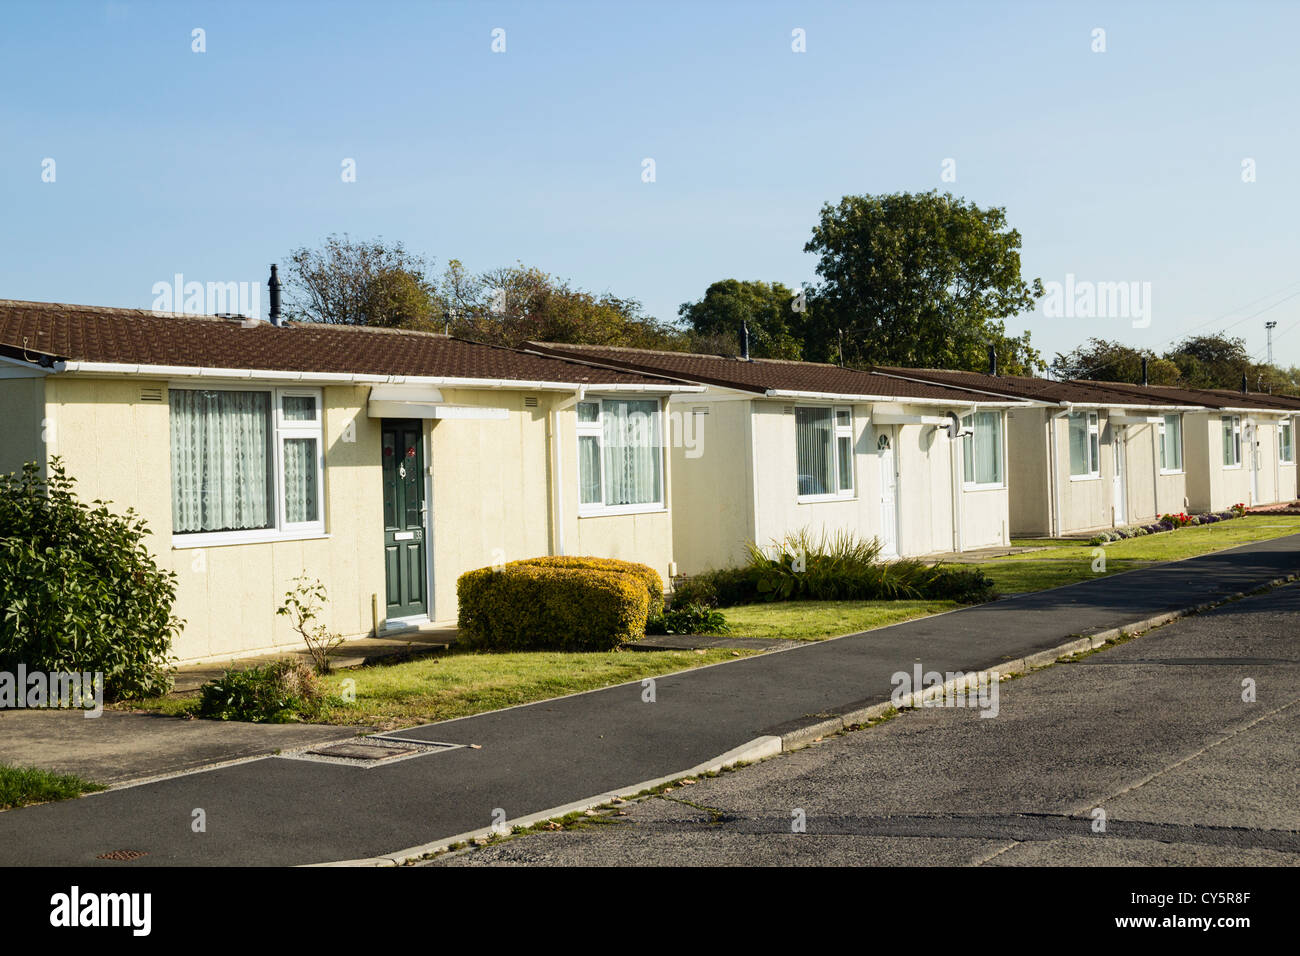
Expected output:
{"points": [[888, 496]]}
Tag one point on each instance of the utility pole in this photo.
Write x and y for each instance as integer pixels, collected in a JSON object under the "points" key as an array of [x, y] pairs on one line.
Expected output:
{"points": [[1269, 327]]}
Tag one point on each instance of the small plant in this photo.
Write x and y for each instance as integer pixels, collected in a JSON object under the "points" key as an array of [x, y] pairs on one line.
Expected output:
{"points": [[1239, 509], [303, 604], [688, 619], [268, 693]]}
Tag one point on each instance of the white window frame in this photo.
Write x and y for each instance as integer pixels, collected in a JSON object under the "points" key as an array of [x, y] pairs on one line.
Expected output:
{"points": [[968, 451], [1236, 440], [1164, 451], [1093, 446], [1287, 424], [838, 431], [596, 429], [281, 429]]}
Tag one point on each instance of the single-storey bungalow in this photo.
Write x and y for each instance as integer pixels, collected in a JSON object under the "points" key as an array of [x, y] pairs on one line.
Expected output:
{"points": [[385, 463], [773, 447], [1087, 455]]}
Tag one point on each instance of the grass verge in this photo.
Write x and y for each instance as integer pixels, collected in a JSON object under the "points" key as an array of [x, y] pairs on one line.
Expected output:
{"points": [[23, 786]]}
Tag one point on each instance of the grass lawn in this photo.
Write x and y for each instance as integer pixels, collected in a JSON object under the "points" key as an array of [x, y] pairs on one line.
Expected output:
{"points": [[817, 620], [21, 786], [1065, 562], [460, 683]]}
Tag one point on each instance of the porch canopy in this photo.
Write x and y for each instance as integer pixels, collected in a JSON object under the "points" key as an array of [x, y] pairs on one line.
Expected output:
{"points": [[423, 401]]}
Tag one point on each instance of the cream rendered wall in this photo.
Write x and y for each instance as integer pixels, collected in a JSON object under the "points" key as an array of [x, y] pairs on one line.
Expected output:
{"points": [[118, 447], [924, 460], [22, 410], [1212, 486], [1029, 488], [713, 482], [494, 494], [1087, 504]]}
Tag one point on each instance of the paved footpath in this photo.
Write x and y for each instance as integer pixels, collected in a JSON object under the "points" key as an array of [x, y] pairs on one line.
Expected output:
{"points": [[532, 758]]}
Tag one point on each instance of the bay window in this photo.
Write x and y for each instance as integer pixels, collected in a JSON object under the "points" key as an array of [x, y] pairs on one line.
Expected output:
{"points": [[620, 456], [823, 451], [1085, 445], [983, 450], [247, 464], [1171, 444]]}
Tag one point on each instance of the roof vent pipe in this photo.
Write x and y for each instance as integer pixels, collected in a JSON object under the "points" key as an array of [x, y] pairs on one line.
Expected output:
{"points": [[274, 286], [1144, 371], [1244, 386], [744, 341], [993, 361]]}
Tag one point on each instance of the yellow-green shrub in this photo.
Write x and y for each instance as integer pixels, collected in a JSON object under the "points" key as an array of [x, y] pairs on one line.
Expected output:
{"points": [[654, 584], [526, 606]]}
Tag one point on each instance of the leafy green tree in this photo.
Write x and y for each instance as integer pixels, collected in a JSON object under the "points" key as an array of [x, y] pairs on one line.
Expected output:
{"points": [[1212, 361], [1104, 361], [918, 279], [514, 304], [773, 313], [362, 282]]}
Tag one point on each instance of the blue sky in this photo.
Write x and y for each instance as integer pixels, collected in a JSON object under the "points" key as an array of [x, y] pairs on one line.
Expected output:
{"points": [[1117, 166]]}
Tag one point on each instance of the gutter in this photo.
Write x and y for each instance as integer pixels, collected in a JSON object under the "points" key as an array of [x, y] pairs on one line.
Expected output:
{"points": [[869, 399], [357, 378]]}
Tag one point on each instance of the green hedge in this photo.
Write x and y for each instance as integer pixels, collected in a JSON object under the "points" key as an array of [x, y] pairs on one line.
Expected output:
{"points": [[654, 584], [526, 605]]}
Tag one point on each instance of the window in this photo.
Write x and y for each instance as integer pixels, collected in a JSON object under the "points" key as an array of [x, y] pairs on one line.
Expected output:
{"points": [[824, 451], [1286, 442], [1085, 442], [620, 457], [246, 464], [1231, 441], [983, 450], [1171, 444]]}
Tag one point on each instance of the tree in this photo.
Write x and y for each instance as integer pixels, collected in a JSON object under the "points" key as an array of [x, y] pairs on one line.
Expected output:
{"points": [[918, 279], [515, 304], [772, 312], [362, 282], [1104, 361], [1212, 361]]}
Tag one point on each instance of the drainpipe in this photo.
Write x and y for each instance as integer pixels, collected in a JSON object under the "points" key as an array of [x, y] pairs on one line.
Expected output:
{"points": [[1155, 466], [557, 463], [956, 494], [1055, 477]]}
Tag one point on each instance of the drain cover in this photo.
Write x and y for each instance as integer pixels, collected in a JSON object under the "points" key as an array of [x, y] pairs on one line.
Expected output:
{"points": [[363, 751], [122, 855]]}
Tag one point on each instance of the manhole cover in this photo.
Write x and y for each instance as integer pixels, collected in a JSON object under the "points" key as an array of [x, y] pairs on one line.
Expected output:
{"points": [[363, 751], [122, 855]]}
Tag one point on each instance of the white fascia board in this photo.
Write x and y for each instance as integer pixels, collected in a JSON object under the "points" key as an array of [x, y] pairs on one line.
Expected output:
{"points": [[1121, 419], [1107, 406], [902, 418], [350, 378], [874, 399], [15, 368], [426, 410]]}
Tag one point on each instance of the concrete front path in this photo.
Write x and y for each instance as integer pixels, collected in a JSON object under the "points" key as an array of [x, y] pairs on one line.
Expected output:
{"points": [[118, 747], [540, 756]]}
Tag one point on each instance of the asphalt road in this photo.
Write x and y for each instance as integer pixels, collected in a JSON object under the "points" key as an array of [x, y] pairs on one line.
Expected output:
{"points": [[1153, 732]]}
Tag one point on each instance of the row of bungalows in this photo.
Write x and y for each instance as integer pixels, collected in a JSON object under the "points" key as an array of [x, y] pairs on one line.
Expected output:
{"points": [[386, 463], [1094, 455]]}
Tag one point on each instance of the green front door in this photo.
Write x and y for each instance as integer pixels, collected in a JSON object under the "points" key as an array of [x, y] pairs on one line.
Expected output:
{"points": [[404, 545]]}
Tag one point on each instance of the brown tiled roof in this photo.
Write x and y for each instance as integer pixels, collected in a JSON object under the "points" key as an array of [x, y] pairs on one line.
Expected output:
{"points": [[760, 375], [48, 331], [1037, 389], [1208, 397], [1082, 392]]}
